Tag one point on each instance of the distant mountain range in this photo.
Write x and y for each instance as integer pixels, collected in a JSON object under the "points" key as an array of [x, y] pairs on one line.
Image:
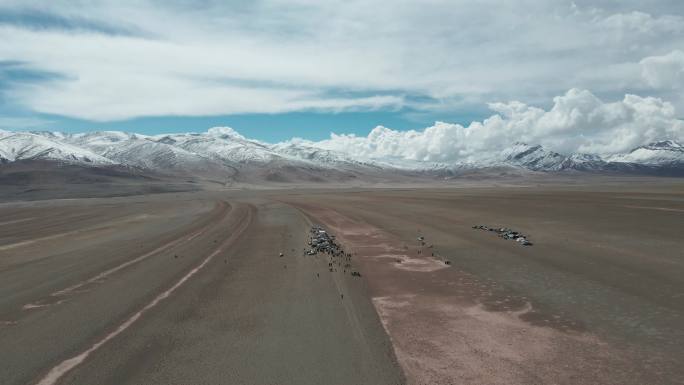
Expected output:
{"points": [[223, 154]]}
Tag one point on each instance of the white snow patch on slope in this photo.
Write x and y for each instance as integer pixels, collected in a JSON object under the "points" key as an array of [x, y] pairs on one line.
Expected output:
{"points": [[27, 146]]}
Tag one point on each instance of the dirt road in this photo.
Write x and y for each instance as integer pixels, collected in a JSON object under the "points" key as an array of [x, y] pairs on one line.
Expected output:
{"points": [[177, 289]]}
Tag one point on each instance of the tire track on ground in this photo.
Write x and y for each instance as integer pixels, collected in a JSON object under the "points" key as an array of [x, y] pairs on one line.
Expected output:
{"points": [[108, 225], [59, 370], [352, 315], [55, 298]]}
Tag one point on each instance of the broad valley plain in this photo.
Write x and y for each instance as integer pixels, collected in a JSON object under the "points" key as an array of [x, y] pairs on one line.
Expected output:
{"points": [[298, 192], [223, 286]]}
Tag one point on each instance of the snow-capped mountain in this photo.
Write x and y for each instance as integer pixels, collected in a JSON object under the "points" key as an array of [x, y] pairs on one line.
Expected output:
{"points": [[318, 156], [223, 153], [533, 157], [138, 150], [144, 152], [658, 153], [221, 143], [16, 146]]}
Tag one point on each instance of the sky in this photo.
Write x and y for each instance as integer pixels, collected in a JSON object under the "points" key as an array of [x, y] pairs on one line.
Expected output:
{"points": [[577, 76]]}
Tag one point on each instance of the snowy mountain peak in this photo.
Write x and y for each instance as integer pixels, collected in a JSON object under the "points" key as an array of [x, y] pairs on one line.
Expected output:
{"points": [[658, 153], [29, 146], [663, 145], [532, 157], [580, 158]]}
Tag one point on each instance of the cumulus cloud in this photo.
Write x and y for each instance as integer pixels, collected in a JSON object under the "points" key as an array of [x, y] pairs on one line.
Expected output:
{"points": [[270, 56], [578, 121], [225, 131]]}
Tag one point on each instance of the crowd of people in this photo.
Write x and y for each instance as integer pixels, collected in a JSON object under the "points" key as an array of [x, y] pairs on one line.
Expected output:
{"points": [[506, 233], [321, 242]]}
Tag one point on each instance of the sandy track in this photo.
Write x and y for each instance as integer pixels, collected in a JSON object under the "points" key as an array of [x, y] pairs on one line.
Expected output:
{"points": [[56, 297], [251, 317], [58, 371], [84, 280], [100, 228]]}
